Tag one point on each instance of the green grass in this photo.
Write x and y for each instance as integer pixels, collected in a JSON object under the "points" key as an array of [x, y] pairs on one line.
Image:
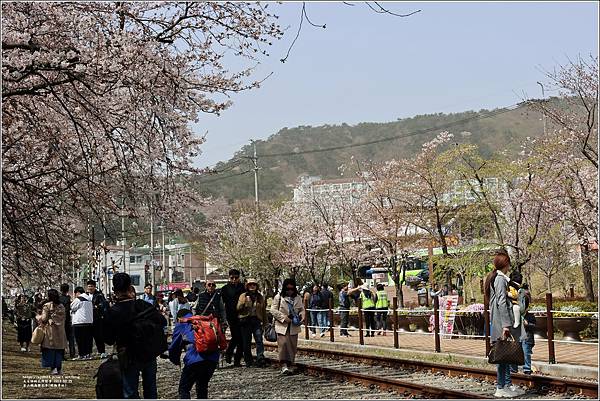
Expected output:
{"points": [[16, 365]]}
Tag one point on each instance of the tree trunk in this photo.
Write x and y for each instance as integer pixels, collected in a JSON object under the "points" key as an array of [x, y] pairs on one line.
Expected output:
{"points": [[586, 267], [548, 283]]}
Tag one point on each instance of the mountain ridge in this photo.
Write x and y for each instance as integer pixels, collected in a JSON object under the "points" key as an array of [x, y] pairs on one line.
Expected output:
{"points": [[320, 150]]}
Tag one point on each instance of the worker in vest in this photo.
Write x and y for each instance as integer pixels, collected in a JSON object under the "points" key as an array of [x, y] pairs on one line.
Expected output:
{"points": [[382, 306], [368, 299]]}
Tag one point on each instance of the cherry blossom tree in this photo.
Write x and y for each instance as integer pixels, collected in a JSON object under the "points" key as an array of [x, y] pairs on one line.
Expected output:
{"points": [[97, 99]]}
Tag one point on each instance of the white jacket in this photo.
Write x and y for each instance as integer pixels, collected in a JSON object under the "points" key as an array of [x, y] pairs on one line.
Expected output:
{"points": [[82, 312]]}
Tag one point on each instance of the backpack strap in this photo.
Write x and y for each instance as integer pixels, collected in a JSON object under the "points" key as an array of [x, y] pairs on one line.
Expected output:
{"points": [[208, 304]]}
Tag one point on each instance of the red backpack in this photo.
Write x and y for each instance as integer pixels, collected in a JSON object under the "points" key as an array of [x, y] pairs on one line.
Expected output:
{"points": [[207, 333]]}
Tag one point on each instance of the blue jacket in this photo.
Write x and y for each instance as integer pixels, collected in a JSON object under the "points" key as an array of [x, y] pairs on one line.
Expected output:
{"points": [[183, 337]]}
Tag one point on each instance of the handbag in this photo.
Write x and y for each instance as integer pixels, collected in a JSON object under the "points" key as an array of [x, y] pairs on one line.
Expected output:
{"points": [[37, 337], [507, 351], [269, 333]]}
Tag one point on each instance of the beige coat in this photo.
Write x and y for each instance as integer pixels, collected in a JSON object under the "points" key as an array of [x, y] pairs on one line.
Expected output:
{"points": [[53, 318], [281, 313]]}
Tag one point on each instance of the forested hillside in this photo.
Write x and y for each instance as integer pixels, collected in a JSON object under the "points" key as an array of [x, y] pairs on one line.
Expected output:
{"points": [[504, 130]]}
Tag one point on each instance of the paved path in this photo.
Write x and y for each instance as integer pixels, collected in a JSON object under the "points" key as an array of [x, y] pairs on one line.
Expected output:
{"points": [[584, 354]]}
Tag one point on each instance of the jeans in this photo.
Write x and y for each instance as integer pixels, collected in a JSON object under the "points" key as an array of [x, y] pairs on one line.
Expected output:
{"points": [[503, 375], [344, 317], [236, 341], [382, 320], [527, 350], [252, 327], [323, 320], [131, 380], [198, 373], [319, 319]]}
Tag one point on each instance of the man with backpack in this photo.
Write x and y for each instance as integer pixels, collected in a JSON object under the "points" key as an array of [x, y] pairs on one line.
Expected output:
{"points": [[198, 366], [230, 293], [100, 307], [137, 330]]}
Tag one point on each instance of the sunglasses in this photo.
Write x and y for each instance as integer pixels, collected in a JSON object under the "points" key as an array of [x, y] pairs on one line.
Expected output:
{"points": [[211, 284], [290, 288], [234, 277]]}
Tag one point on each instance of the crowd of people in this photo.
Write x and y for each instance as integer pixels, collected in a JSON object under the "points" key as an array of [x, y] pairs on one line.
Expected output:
{"points": [[136, 327], [72, 323]]}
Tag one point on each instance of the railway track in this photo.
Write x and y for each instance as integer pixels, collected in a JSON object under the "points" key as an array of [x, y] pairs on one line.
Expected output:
{"points": [[428, 379]]}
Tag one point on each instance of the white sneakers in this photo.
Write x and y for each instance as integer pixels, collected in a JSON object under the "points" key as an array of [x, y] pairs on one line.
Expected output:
{"points": [[517, 390], [55, 372], [286, 371], [23, 349], [508, 392]]}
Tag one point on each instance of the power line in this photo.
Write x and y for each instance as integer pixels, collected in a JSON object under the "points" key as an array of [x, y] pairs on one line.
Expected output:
{"points": [[224, 178], [401, 136]]}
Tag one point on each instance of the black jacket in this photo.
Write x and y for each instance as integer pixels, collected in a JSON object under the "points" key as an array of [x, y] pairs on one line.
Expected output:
{"points": [[65, 300], [117, 320], [100, 305], [231, 294], [529, 329], [216, 307]]}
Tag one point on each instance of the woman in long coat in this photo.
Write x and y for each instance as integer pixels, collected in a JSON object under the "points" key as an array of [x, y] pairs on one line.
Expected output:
{"points": [[285, 306], [502, 320], [55, 339]]}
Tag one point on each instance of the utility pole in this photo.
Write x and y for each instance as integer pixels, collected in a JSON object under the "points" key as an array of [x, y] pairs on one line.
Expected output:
{"points": [[543, 114], [255, 162], [162, 227], [153, 279], [123, 232], [105, 264]]}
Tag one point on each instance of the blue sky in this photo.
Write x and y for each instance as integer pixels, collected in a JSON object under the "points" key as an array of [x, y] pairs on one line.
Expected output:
{"points": [[368, 67]]}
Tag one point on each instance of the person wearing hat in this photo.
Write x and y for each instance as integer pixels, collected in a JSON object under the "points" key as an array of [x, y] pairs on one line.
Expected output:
{"points": [[253, 315]]}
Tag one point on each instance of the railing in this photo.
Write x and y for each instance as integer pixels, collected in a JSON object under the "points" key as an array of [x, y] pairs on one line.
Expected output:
{"points": [[436, 332]]}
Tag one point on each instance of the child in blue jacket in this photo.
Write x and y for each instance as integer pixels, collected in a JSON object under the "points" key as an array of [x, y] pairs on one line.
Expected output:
{"points": [[198, 367]]}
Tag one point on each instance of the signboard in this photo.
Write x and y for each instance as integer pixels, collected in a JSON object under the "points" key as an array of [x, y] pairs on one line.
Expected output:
{"points": [[448, 307], [379, 276], [173, 286]]}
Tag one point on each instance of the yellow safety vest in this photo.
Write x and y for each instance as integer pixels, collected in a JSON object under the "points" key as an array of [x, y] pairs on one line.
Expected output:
{"points": [[382, 300], [366, 302]]}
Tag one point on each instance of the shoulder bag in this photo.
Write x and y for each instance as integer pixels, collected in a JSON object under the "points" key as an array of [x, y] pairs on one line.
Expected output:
{"points": [[38, 335], [270, 333]]}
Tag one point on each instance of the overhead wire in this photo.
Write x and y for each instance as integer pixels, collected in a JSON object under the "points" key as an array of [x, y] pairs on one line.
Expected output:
{"points": [[401, 136], [440, 127]]}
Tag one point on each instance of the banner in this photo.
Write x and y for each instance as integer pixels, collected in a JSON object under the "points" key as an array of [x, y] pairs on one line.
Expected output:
{"points": [[173, 286], [448, 308]]}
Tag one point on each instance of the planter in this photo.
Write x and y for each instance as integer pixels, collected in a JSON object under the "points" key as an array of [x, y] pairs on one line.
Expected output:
{"points": [[403, 323], [469, 324], [541, 328], [572, 326], [421, 323]]}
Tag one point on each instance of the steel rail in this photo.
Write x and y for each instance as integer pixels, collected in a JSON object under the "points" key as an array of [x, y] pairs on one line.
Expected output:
{"points": [[402, 387], [539, 382]]}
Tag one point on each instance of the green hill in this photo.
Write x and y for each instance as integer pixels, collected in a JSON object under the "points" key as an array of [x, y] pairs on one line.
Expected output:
{"points": [[505, 130]]}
